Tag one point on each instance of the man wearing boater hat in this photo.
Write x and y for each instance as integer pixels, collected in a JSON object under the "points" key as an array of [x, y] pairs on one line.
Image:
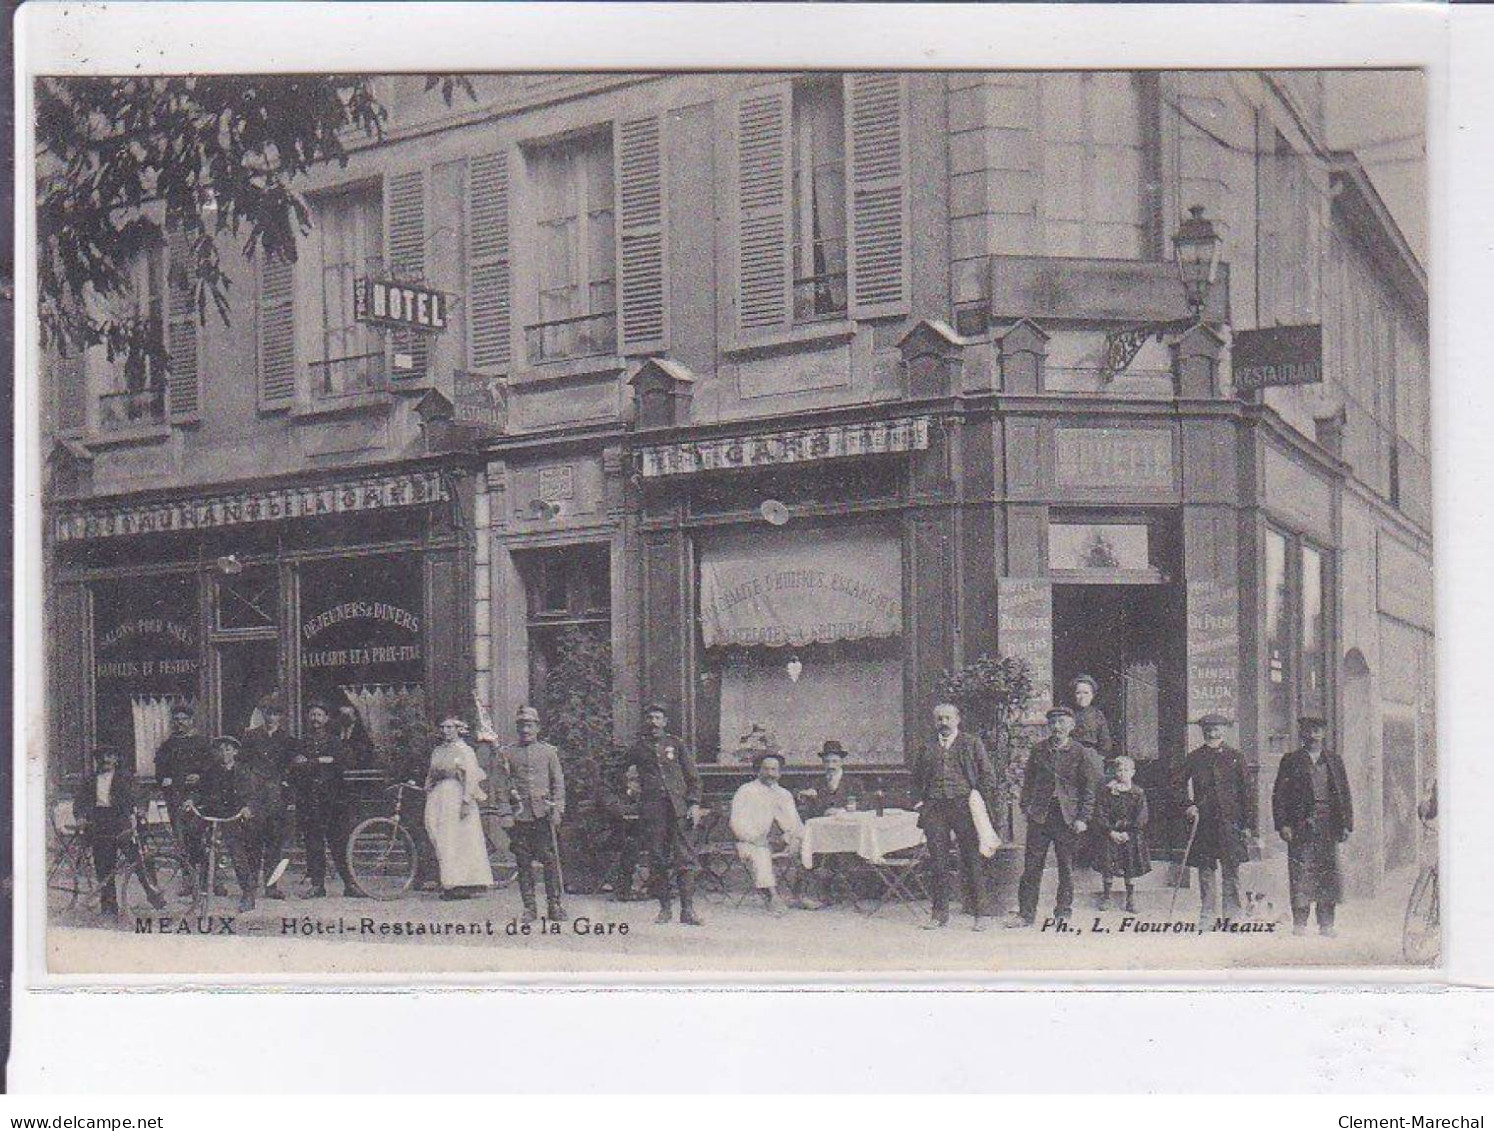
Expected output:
{"points": [[1059, 788], [668, 806], [1313, 812], [535, 789], [1218, 797]]}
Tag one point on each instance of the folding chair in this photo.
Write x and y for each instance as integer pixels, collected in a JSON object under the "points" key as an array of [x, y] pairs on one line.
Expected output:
{"points": [[70, 870], [715, 855], [901, 876]]}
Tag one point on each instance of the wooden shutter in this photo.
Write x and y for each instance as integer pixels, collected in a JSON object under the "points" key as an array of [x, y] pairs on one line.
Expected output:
{"points": [[70, 391], [642, 258], [404, 219], [277, 332], [764, 120], [183, 389], [448, 622], [489, 278], [877, 194]]}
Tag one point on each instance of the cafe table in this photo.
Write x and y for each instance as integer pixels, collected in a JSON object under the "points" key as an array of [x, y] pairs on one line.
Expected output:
{"points": [[870, 835]]}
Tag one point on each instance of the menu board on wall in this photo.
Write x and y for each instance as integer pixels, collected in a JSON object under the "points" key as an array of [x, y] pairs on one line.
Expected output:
{"points": [[1024, 631], [1213, 648]]}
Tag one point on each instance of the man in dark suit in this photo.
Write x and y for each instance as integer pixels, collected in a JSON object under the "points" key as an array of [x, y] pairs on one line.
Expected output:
{"points": [[1219, 798], [321, 807], [944, 773], [1313, 812], [1059, 789], [180, 762], [832, 791], [225, 791], [267, 755], [668, 798], [105, 808]]}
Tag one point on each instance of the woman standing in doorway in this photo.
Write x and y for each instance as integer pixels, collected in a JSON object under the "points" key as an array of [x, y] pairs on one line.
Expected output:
{"points": [[1090, 725], [452, 821]]}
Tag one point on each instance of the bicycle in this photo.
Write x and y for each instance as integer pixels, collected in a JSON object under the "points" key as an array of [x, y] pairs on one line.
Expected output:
{"points": [[383, 856], [1421, 938], [72, 875], [205, 882]]}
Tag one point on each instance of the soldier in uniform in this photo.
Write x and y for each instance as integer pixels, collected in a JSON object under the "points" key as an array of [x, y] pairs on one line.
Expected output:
{"points": [[321, 809], [267, 754], [180, 762], [534, 784], [1313, 812], [1220, 800], [669, 796]]}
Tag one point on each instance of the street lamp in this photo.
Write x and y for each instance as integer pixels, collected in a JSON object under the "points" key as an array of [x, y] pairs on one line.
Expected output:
{"points": [[1195, 247]]}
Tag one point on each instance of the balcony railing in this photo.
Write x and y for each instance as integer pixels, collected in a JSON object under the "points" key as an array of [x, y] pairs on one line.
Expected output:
{"points": [[121, 412], [352, 376], [590, 335], [818, 297]]}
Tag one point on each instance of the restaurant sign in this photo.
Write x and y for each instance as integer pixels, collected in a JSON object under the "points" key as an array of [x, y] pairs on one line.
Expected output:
{"points": [[272, 505], [401, 305], [1282, 355], [799, 445], [480, 401]]}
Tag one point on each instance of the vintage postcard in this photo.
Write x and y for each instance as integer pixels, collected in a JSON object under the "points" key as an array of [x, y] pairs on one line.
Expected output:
{"points": [[662, 523]]}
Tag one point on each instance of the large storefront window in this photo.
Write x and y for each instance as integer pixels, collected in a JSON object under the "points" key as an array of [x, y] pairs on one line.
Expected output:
{"points": [[146, 660], [802, 636], [362, 639]]}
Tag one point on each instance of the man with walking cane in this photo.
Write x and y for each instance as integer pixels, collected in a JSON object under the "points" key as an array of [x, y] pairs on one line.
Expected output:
{"points": [[535, 788], [1221, 808]]}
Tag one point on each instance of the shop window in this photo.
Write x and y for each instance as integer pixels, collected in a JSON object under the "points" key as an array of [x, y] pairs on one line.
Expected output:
{"points": [[802, 641], [1296, 630], [1095, 144], [818, 162], [362, 641], [1313, 642], [575, 244], [1278, 644], [349, 232], [569, 594], [133, 389], [146, 659]]}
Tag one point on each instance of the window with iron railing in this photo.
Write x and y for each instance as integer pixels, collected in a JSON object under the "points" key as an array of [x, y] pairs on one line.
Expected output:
{"points": [[135, 394], [576, 268], [349, 227], [819, 200]]}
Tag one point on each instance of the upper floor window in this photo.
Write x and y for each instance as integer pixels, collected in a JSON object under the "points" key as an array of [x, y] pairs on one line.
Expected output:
{"points": [[350, 237], [1097, 199], [818, 160], [576, 250]]}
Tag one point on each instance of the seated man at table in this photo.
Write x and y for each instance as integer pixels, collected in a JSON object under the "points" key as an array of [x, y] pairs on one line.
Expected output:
{"points": [[756, 808], [831, 793]]}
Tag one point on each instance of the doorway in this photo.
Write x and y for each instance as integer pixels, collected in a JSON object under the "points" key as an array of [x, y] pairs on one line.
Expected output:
{"points": [[1131, 639]]}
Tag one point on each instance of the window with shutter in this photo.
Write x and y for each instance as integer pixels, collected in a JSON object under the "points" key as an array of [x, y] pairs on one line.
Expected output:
{"points": [[642, 257], [70, 392], [489, 297], [876, 125], [764, 119], [132, 385], [184, 391], [277, 333], [406, 211], [349, 358]]}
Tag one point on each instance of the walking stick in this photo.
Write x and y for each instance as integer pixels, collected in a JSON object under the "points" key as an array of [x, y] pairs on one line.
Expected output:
{"points": [[555, 848], [1182, 867]]}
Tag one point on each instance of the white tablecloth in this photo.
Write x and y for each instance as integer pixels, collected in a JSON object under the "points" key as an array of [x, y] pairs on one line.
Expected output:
{"points": [[867, 835]]}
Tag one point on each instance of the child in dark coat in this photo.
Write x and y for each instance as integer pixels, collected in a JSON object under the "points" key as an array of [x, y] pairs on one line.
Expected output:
{"points": [[1121, 818]]}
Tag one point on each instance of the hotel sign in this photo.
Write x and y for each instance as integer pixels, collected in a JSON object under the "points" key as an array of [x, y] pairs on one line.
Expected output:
{"points": [[1282, 355], [400, 305], [801, 445], [272, 505], [1134, 458]]}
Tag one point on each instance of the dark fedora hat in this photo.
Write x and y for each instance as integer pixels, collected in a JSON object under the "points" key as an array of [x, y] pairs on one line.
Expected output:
{"points": [[1215, 719], [831, 746], [1312, 722]]}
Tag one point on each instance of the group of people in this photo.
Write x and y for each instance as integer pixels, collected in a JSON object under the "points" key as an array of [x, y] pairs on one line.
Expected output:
{"points": [[1079, 799]]}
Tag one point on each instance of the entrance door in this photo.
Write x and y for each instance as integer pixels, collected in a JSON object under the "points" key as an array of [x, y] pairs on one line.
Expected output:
{"points": [[1130, 638], [248, 670]]}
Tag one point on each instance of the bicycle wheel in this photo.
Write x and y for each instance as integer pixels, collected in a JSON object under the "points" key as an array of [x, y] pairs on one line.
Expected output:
{"points": [[70, 880], [1422, 937], [381, 858], [166, 872]]}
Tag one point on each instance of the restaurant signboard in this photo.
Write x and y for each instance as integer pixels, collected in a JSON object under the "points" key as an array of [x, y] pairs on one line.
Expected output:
{"points": [[1281, 355]]}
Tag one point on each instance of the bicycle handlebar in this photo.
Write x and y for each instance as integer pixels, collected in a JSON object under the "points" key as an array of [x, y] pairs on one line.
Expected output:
{"points": [[401, 786], [198, 813]]}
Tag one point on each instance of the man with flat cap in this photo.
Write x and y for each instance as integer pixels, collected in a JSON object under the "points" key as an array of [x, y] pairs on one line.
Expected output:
{"points": [[757, 807], [668, 806], [105, 809], [321, 805], [945, 772], [1059, 789], [1313, 812], [1217, 795], [266, 755], [225, 792], [534, 784], [180, 762]]}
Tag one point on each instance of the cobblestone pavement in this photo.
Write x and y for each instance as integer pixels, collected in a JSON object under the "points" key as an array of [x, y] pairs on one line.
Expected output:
{"points": [[601, 937]]}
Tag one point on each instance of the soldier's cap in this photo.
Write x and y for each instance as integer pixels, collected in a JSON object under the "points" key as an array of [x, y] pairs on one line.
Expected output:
{"points": [[763, 755], [527, 715], [1094, 684], [183, 709], [102, 752], [1059, 713], [272, 703], [656, 706], [1215, 719], [833, 747], [318, 701], [1312, 722], [227, 740]]}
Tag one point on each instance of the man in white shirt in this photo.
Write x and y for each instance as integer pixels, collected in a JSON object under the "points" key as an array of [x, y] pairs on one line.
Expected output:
{"points": [[756, 807]]}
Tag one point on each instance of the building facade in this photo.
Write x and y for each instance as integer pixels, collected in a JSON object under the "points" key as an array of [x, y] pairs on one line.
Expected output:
{"points": [[794, 391]]}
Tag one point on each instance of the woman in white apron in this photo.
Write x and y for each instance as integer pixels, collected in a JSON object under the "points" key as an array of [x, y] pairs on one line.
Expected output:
{"points": [[452, 818]]}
